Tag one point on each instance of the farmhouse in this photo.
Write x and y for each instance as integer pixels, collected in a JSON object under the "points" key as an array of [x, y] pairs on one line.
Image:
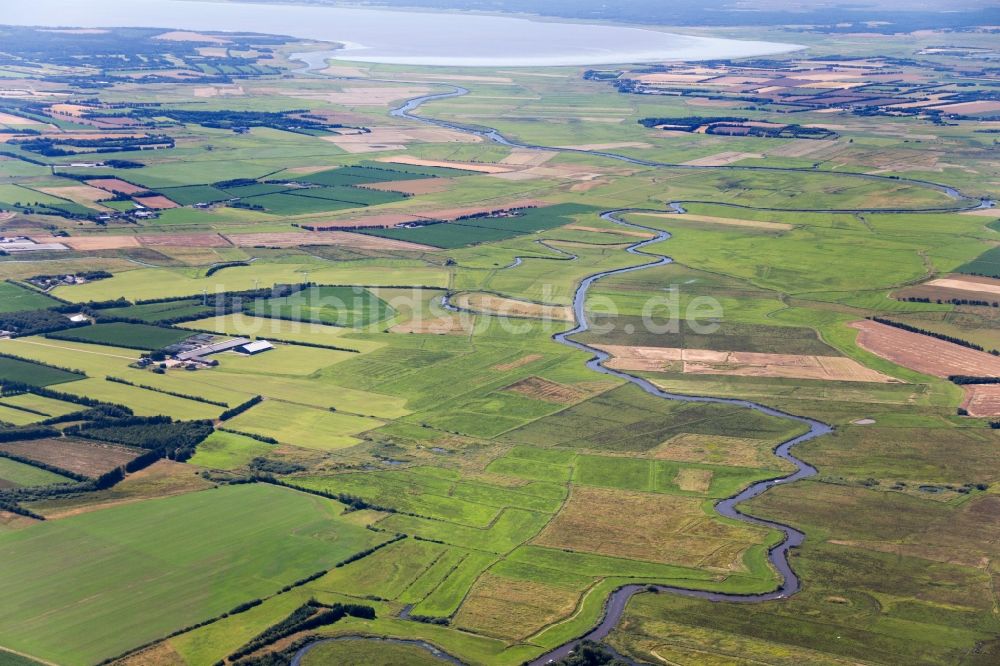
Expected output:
{"points": [[255, 347]]}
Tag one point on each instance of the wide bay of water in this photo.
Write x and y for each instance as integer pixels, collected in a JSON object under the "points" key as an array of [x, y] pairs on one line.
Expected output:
{"points": [[398, 37]]}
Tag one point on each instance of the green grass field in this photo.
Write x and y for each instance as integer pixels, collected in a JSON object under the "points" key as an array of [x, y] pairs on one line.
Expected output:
{"points": [[527, 485], [338, 306], [36, 374], [226, 450], [16, 474], [174, 562], [14, 297], [120, 334]]}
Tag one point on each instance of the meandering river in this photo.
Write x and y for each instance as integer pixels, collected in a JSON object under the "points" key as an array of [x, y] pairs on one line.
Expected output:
{"points": [[789, 582]]}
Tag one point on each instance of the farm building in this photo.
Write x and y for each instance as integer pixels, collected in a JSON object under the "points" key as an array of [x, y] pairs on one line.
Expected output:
{"points": [[214, 348], [255, 347]]}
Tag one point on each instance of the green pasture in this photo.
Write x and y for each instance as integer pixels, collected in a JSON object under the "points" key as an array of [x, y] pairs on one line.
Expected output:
{"points": [[172, 562]]}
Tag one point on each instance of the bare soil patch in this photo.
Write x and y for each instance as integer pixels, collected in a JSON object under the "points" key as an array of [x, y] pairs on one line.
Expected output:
{"points": [[184, 240], [982, 399], [979, 285], [549, 391], [89, 243], [519, 363], [924, 353], [509, 307], [115, 185], [81, 456], [744, 364], [970, 107], [157, 202]]}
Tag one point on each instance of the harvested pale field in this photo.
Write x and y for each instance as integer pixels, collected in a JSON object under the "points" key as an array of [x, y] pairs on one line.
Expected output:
{"points": [[188, 36], [984, 106], [666, 77], [982, 399], [395, 138], [345, 70], [219, 91], [452, 214], [548, 391], [7, 216], [617, 232], [343, 238], [662, 528], [519, 363], [382, 220], [453, 325], [413, 187], [976, 285], [717, 450], [213, 51], [609, 146], [728, 221], [184, 240], [742, 364], [802, 147], [480, 167], [472, 78], [161, 479], [724, 158], [75, 110], [527, 157], [91, 243], [306, 170], [11, 119], [157, 202], [374, 95], [983, 212], [693, 480], [159, 654], [588, 185], [513, 609], [564, 171], [81, 194], [81, 456], [115, 185], [510, 307], [364, 143], [924, 353]]}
